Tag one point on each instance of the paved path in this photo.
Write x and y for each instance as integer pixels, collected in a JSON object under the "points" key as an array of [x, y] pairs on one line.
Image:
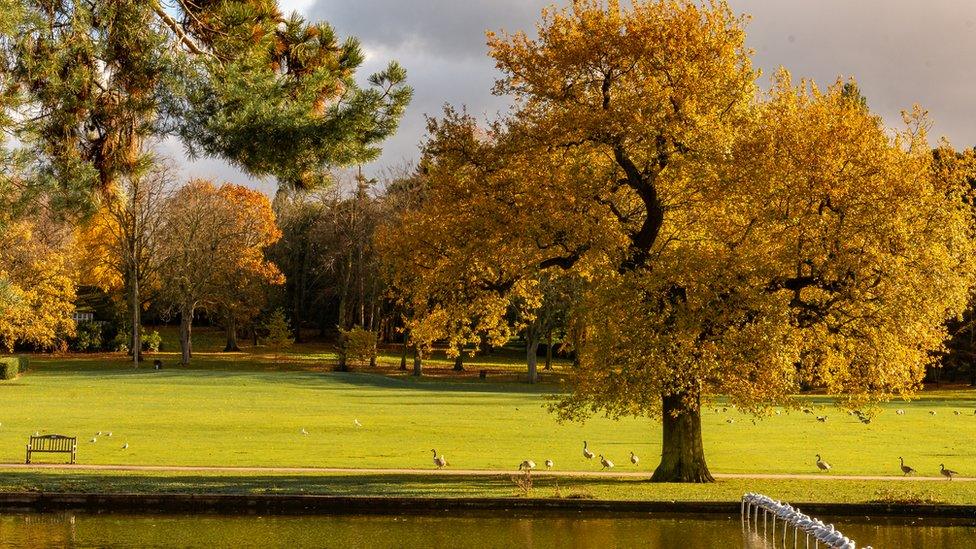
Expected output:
{"points": [[435, 472]]}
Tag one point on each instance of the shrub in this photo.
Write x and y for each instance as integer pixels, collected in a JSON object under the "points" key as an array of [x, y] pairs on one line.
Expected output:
{"points": [[358, 344], [88, 337], [9, 367], [120, 343], [279, 334], [152, 341], [24, 362]]}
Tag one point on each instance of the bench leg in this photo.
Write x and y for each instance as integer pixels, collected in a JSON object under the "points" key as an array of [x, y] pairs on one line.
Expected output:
{"points": [[27, 461]]}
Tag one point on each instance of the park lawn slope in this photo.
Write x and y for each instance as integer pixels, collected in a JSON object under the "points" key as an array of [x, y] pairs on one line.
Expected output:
{"points": [[242, 410]]}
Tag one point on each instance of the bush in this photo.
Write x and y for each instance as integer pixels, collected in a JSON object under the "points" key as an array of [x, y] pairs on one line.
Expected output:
{"points": [[9, 367], [279, 334], [88, 337], [120, 343], [358, 344], [152, 341], [24, 363]]}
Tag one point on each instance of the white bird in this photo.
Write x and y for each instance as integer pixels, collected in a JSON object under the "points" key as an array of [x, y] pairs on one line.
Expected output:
{"points": [[304, 432], [822, 465], [586, 452], [527, 465], [439, 461], [607, 464], [37, 433], [778, 412], [906, 469], [634, 459], [93, 440], [126, 445], [356, 422], [900, 412], [947, 473], [549, 464]]}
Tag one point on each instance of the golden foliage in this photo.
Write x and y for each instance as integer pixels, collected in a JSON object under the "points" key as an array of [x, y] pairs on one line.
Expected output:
{"points": [[37, 289], [732, 241]]}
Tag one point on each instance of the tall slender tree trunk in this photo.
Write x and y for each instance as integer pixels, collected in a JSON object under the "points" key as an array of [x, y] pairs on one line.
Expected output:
{"points": [[532, 357], [459, 362], [403, 353], [683, 454], [230, 326], [418, 361], [549, 350], [136, 322], [343, 365], [186, 339]]}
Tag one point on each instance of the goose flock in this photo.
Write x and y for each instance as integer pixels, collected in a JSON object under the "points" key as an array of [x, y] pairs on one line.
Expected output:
{"points": [[905, 469]]}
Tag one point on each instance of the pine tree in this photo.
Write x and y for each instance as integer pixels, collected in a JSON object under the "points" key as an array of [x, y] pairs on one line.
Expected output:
{"points": [[279, 333]]}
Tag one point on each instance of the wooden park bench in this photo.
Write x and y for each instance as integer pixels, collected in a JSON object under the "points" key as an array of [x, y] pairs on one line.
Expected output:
{"points": [[52, 444]]}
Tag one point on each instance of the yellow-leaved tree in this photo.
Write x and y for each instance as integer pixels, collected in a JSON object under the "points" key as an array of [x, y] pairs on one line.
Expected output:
{"points": [[730, 241], [37, 287]]}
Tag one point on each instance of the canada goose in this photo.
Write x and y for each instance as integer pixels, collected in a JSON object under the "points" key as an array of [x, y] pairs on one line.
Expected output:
{"points": [[634, 459], [549, 464], [93, 440], [356, 423], [607, 464], [900, 412], [904, 468], [527, 465], [125, 446], [439, 461], [957, 412], [947, 473], [822, 465], [822, 419], [778, 412], [725, 410], [865, 420], [932, 412], [730, 421], [586, 452], [304, 432], [807, 411], [98, 434], [108, 434]]}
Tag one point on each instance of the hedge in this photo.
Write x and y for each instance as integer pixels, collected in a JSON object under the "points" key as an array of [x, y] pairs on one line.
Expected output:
{"points": [[9, 367]]}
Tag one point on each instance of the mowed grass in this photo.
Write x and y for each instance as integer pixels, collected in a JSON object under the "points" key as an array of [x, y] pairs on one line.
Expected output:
{"points": [[249, 409]]}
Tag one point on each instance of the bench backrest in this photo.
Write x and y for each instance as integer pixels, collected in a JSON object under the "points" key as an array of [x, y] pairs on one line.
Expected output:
{"points": [[53, 443]]}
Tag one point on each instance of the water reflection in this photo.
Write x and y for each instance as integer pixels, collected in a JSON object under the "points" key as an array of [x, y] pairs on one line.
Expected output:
{"points": [[118, 530]]}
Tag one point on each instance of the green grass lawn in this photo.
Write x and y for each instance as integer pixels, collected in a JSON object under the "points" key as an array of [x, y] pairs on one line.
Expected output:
{"points": [[249, 409]]}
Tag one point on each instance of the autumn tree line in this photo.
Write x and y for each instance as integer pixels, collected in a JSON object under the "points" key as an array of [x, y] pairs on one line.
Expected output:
{"points": [[684, 226]]}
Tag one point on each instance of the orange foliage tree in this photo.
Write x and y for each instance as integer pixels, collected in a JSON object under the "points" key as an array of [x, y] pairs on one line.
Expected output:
{"points": [[213, 247]]}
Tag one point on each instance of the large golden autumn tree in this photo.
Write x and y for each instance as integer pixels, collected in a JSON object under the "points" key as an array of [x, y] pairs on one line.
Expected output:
{"points": [[732, 241]]}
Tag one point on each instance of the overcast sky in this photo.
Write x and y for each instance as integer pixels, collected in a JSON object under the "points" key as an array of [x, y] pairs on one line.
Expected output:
{"points": [[901, 52]]}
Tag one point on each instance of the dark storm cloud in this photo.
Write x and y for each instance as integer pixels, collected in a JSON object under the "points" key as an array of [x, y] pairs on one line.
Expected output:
{"points": [[901, 52]]}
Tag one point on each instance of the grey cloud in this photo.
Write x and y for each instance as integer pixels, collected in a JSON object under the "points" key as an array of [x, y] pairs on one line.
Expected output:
{"points": [[453, 28], [901, 52]]}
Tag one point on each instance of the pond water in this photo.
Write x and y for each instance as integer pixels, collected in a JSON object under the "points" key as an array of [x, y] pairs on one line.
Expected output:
{"points": [[69, 529]]}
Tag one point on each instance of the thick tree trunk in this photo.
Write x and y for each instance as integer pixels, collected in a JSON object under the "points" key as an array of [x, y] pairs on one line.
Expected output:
{"points": [[418, 362], [682, 455], [230, 326], [532, 358], [186, 321], [459, 363]]}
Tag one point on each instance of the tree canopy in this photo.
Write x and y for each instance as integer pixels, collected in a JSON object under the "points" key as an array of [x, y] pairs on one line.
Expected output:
{"points": [[733, 241]]}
